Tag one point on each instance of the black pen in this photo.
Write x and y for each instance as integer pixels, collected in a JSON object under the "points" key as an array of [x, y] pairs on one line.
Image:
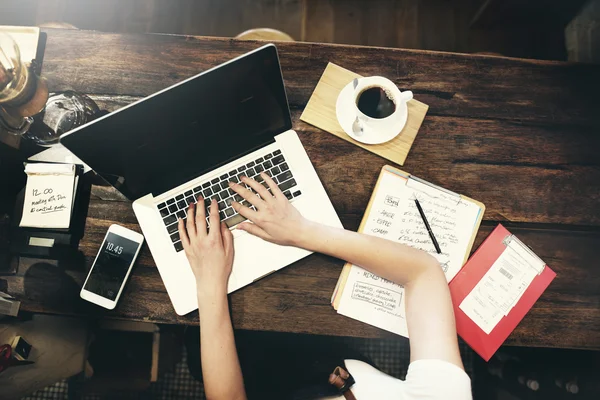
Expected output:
{"points": [[435, 243]]}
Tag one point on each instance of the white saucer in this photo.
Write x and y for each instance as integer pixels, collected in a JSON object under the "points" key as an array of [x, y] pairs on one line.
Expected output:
{"points": [[346, 116]]}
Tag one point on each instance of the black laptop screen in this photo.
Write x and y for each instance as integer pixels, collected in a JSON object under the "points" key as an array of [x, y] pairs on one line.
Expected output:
{"points": [[189, 129]]}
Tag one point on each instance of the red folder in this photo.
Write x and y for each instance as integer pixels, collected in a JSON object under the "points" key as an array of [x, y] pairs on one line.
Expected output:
{"points": [[463, 283]]}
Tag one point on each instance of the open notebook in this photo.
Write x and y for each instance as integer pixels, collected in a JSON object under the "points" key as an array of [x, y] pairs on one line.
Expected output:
{"points": [[392, 214]]}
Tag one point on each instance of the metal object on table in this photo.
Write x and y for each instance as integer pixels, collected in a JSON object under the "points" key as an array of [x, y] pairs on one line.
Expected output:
{"points": [[22, 93], [64, 111], [27, 110]]}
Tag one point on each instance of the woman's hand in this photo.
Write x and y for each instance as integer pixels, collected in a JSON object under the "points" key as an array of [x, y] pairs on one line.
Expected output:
{"points": [[275, 219], [210, 253]]}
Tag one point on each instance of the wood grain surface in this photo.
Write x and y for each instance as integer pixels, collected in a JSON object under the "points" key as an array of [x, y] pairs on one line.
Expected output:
{"points": [[519, 135]]}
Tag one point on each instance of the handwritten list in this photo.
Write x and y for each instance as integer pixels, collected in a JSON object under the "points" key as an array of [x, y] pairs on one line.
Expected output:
{"points": [[49, 195], [394, 216]]}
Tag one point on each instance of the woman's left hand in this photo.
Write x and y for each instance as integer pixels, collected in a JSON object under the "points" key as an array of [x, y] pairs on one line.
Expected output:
{"points": [[210, 253]]}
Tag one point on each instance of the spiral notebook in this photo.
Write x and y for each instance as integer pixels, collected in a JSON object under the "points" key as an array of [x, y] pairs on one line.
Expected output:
{"points": [[49, 195], [392, 214]]}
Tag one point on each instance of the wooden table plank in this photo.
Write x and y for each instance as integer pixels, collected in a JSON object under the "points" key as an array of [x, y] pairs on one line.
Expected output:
{"points": [[542, 174], [519, 135], [475, 86], [296, 299]]}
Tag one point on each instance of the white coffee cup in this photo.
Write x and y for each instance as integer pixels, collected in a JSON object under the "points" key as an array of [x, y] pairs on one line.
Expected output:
{"points": [[365, 124]]}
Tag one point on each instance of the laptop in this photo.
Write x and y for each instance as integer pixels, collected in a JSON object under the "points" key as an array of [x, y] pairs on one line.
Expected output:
{"points": [[191, 139]]}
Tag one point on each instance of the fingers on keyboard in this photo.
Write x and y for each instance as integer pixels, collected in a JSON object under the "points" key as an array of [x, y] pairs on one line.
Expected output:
{"points": [[279, 177]]}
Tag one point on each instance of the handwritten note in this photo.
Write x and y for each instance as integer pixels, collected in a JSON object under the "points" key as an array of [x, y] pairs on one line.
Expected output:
{"points": [[374, 300], [394, 216], [49, 195], [378, 295], [502, 286]]}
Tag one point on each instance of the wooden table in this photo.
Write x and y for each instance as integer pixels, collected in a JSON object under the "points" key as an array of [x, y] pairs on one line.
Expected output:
{"points": [[521, 136]]}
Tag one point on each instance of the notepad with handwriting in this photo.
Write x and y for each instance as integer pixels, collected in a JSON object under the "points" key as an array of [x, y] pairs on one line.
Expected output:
{"points": [[49, 195], [392, 214]]}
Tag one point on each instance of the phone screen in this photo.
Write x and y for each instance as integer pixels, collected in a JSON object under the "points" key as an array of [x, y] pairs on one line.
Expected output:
{"points": [[111, 266]]}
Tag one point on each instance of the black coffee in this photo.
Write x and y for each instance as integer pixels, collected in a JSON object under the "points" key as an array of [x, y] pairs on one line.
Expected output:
{"points": [[375, 103]]}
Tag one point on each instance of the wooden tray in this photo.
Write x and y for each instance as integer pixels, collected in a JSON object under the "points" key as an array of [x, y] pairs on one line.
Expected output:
{"points": [[320, 112]]}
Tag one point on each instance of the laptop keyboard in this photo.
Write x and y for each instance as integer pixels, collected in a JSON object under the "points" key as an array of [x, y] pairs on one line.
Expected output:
{"points": [[273, 164]]}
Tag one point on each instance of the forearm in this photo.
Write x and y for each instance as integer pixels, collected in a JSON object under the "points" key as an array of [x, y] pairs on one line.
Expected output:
{"points": [[430, 318], [220, 365], [429, 312], [391, 260]]}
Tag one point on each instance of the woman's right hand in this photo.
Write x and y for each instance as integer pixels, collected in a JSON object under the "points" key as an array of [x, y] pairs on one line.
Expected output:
{"points": [[275, 219]]}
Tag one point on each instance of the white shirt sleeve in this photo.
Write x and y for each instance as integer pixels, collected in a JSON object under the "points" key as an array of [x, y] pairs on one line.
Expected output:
{"points": [[436, 380], [425, 380]]}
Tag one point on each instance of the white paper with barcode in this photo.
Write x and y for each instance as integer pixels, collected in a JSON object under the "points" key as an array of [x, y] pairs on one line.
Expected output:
{"points": [[501, 287]]}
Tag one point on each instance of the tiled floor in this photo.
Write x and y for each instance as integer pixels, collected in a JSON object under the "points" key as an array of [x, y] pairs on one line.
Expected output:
{"points": [[58, 391], [390, 355], [178, 384]]}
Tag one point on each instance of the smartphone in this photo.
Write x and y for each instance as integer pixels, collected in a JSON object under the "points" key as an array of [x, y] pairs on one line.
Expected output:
{"points": [[111, 268]]}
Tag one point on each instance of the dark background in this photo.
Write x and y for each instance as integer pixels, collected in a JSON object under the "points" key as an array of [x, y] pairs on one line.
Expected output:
{"points": [[544, 29]]}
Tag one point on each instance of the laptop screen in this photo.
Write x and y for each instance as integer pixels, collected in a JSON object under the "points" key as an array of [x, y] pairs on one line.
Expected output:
{"points": [[178, 134]]}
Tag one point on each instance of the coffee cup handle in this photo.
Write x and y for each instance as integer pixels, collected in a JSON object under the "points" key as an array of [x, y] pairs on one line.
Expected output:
{"points": [[406, 96]]}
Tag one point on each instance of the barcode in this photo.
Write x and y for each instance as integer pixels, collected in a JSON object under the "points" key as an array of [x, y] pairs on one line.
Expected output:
{"points": [[506, 273]]}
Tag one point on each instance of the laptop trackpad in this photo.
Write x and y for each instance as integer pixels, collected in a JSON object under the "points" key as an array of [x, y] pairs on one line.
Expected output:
{"points": [[256, 258]]}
